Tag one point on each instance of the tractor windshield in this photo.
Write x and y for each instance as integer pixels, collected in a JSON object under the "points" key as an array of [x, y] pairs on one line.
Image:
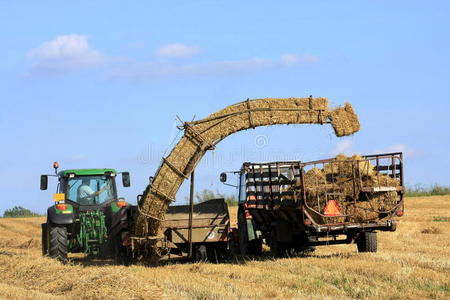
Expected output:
{"points": [[90, 190]]}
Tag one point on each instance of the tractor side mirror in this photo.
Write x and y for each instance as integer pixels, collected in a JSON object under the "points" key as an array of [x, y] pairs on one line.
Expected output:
{"points": [[44, 182], [223, 177], [126, 179]]}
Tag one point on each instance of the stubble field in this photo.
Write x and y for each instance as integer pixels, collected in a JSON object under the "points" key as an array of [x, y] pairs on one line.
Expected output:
{"points": [[412, 263]]}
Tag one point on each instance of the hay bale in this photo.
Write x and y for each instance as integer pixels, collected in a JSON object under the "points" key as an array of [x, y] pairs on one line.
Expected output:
{"points": [[343, 166], [373, 204], [364, 166], [317, 187], [344, 120], [338, 177], [381, 180], [361, 213], [314, 176], [202, 135]]}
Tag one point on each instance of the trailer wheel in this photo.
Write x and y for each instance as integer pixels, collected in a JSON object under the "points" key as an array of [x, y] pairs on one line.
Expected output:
{"points": [[278, 249], [58, 243], [201, 254], [367, 242], [247, 247], [121, 254]]}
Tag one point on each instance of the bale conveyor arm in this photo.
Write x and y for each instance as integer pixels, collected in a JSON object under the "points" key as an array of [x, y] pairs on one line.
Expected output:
{"points": [[203, 135]]}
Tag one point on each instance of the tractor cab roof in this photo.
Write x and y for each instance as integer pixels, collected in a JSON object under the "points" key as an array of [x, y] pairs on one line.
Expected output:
{"points": [[86, 172]]}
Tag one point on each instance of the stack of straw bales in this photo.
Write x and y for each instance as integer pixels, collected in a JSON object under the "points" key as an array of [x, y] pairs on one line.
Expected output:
{"points": [[337, 177], [201, 136]]}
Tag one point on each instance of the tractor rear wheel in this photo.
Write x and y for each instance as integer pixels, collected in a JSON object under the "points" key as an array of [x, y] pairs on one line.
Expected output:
{"points": [[58, 243], [367, 242]]}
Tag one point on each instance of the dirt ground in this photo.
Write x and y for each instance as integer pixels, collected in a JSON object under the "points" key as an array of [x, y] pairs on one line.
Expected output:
{"points": [[412, 263]]}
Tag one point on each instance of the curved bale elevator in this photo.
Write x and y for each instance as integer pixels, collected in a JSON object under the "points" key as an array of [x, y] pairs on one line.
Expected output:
{"points": [[203, 135]]}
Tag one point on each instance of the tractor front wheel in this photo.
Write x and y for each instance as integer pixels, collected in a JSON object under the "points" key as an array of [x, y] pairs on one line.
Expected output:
{"points": [[44, 239], [58, 246]]}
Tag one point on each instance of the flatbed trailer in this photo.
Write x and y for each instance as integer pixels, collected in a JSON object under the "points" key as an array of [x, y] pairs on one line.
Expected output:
{"points": [[204, 235], [210, 232]]}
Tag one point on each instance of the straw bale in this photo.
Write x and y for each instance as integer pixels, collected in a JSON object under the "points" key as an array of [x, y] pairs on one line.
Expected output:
{"points": [[338, 177], [382, 180], [344, 120], [343, 166], [202, 135], [364, 166], [374, 203], [314, 176]]}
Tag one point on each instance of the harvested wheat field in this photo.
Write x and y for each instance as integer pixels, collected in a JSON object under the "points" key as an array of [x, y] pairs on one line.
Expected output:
{"points": [[412, 263]]}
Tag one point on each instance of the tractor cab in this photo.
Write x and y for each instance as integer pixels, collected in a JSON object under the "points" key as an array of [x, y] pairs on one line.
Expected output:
{"points": [[93, 189], [86, 213], [87, 188]]}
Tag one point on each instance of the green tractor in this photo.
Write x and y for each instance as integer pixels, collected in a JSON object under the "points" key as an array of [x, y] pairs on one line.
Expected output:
{"points": [[87, 216]]}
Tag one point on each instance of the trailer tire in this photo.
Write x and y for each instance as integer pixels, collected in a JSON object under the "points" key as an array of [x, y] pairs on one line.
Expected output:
{"points": [[255, 247], [121, 253], [201, 254], [58, 243], [367, 242], [278, 249]]}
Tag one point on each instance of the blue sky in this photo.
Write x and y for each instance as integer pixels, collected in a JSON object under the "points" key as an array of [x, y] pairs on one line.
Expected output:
{"points": [[99, 83]]}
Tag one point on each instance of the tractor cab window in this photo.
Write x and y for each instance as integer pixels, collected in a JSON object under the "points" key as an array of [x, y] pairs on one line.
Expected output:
{"points": [[90, 190]]}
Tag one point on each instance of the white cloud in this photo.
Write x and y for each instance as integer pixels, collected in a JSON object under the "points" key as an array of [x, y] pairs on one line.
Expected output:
{"points": [[65, 53], [177, 50], [76, 158], [68, 53], [295, 59], [407, 151], [154, 70], [343, 147], [309, 59], [159, 69], [290, 59]]}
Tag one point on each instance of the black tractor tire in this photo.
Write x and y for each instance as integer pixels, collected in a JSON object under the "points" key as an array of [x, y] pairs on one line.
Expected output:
{"points": [[58, 247], [44, 239], [367, 242], [247, 247]]}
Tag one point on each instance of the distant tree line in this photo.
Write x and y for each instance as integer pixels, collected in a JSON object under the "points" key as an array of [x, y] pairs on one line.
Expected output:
{"points": [[19, 212], [208, 194], [420, 190]]}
